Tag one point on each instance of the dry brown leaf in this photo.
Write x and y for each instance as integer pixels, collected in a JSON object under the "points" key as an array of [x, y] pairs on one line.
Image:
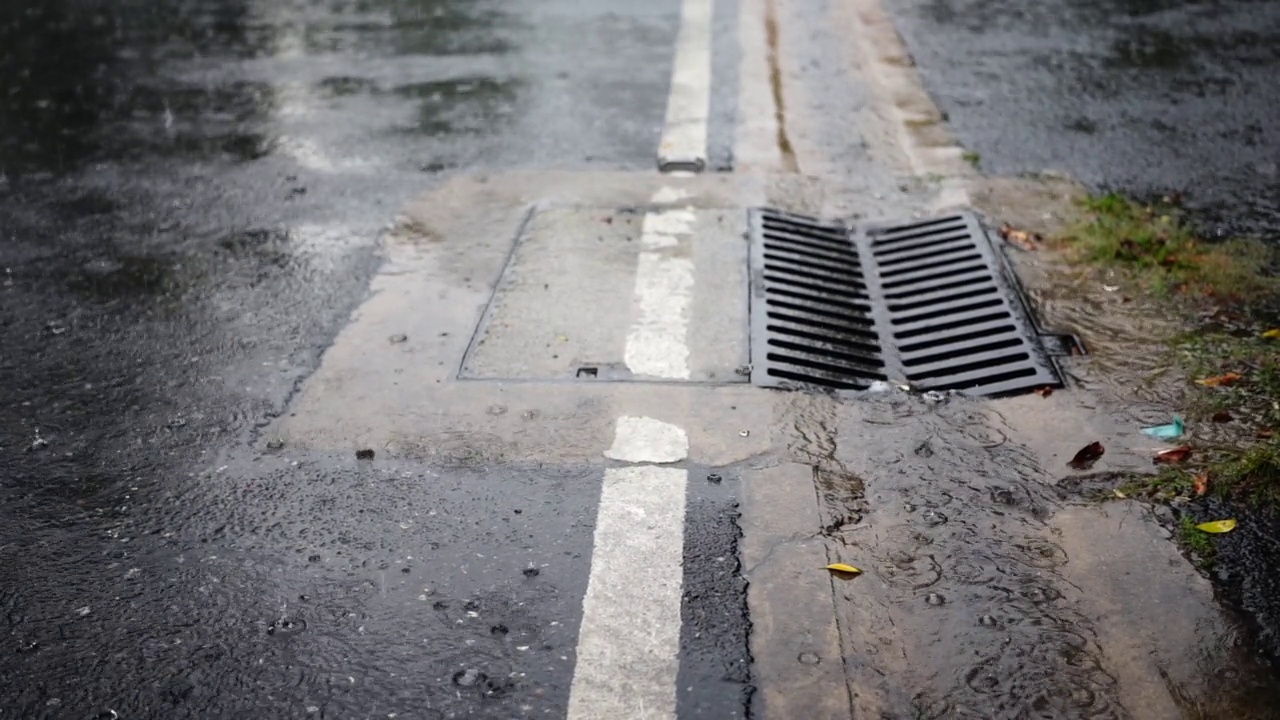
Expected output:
{"points": [[1173, 456], [1200, 484], [1020, 238], [1225, 380], [1087, 456]]}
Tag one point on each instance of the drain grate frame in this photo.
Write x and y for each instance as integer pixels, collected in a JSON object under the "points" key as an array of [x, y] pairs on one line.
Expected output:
{"points": [[931, 303]]}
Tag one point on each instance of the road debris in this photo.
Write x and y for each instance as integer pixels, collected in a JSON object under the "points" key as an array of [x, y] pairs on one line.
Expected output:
{"points": [[1218, 526], [38, 443], [1021, 239], [1087, 456], [842, 568], [1200, 484], [365, 454], [1225, 380], [1174, 456], [1170, 431]]}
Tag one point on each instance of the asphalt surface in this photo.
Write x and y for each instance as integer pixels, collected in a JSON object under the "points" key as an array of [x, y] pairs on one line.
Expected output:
{"points": [[191, 195], [1142, 97], [195, 203]]}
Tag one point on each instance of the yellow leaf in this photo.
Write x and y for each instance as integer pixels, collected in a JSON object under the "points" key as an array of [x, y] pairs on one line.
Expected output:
{"points": [[1272, 334], [1120, 494], [1218, 526], [841, 567]]}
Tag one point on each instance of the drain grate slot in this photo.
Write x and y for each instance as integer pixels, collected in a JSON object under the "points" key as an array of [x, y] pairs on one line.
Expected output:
{"points": [[930, 303], [811, 322]]}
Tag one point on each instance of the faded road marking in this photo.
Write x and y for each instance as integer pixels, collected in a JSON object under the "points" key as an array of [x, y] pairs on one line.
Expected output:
{"points": [[629, 642], [645, 440], [684, 139], [657, 344]]}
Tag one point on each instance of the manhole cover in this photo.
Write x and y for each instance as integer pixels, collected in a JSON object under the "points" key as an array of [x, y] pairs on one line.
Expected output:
{"points": [[929, 303]]}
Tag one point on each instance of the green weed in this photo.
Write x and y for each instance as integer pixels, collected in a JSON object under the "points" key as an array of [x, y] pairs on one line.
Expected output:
{"points": [[1159, 249], [1197, 541]]}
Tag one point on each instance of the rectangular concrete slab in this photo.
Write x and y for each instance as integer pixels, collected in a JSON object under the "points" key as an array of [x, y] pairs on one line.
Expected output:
{"points": [[795, 641], [582, 284]]}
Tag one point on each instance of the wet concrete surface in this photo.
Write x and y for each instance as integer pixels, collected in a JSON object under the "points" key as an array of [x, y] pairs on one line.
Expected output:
{"points": [[988, 595], [1143, 97]]}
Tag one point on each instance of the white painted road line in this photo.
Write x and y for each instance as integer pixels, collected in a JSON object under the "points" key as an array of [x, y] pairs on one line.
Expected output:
{"points": [[657, 344], [629, 642], [684, 139], [645, 440]]}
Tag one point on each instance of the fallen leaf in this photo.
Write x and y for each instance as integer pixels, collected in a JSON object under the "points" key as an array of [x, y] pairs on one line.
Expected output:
{"points": [[1120, 494], [1020, 238], [1200, 484], [1176, 455], [1173, 430], [1265, 433], [842, 568], [1218, 526], [1087, 456], [1272, 334], [1045, 391], [1220, 380], [1222, 416]]}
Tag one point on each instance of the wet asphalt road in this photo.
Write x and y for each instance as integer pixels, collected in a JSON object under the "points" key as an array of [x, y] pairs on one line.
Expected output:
{"points": [[1143, 96], [190, 197]]}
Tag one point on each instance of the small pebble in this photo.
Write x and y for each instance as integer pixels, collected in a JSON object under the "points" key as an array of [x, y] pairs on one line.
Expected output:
{"points": [[531, 572], [398, 338], [365, 454]]}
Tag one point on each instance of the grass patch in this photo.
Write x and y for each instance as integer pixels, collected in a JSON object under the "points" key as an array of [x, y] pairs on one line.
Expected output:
{"points": [[971, 157], [1230, 294], [1157, 247], [1253, 401], [1169, 483], [1197, 541], [1252, 473], [1248, 474]]}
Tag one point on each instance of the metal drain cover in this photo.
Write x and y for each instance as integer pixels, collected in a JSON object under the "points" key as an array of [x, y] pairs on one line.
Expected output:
{"points": [[929, 303]]}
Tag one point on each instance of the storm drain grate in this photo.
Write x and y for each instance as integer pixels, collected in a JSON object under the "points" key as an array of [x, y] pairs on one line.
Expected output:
{"points": [[928, 303]]}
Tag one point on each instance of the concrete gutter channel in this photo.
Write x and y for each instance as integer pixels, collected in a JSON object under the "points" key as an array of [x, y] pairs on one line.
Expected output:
{"points": [[559, 312]]}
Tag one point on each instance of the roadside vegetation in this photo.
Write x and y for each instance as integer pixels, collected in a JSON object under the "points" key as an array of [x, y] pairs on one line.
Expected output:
{"points": [[1229, 292], [1155, 246]]}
